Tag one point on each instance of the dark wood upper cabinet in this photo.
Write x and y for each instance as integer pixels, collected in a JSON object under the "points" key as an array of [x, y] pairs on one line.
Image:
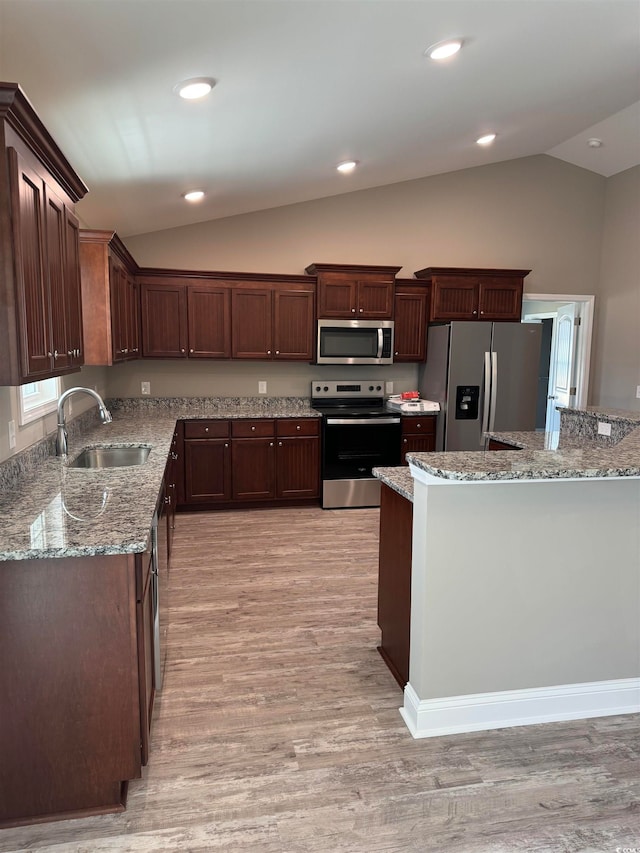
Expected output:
{"points": [[209, 320], [163, 311], [474, 294], [275, 321], [39, 276], [293, 322], [350, 291], [411, 318], [110, 299], [251, 310]]}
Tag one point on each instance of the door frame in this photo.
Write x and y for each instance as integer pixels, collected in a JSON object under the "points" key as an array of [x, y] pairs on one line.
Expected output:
{"points": [[586, 304]]}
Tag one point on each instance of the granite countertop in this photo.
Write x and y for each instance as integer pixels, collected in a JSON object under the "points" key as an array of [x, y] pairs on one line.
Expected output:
{"points": [[399, 479], [54, 510], [543, 456], [540, 456]]}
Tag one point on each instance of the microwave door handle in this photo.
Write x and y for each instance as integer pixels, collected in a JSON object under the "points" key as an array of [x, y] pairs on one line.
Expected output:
{"points": [[380, 342]]}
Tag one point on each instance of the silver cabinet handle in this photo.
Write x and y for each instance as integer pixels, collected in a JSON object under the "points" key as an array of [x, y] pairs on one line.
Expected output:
{"points": [[353, 310], [191, 350], [253, 429], [279, 444], [182, 350], [268, 352], [404, 440], [474, 311], [50, 354], [361, 310], [55, 353], [226, 444], [125, 350], [298, 427], [270, 444], [277, 352], [206, 429], [71, 352]]}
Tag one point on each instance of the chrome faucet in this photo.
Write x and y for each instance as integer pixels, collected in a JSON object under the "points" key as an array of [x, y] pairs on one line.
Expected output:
{"points": [[61, 438]]}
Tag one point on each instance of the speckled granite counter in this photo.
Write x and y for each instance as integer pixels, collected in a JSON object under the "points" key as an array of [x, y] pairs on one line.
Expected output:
{"points": [[569, 455], [399, 479], [577, 452], [52, 510]]}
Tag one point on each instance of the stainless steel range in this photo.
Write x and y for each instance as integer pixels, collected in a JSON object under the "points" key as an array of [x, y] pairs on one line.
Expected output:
{"points": [[358, 434]]}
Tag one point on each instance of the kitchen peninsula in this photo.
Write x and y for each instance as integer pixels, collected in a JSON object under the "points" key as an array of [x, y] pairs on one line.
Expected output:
{"points": [[525, 579]]}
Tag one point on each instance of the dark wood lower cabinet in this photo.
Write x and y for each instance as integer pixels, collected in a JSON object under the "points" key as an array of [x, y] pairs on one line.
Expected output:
{"points": [[74, 645], [394, 581], [253, 461], [418, 435]]}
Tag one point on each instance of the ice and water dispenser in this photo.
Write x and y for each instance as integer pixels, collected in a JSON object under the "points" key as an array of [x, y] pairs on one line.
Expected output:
{"points": [[467, 397]]}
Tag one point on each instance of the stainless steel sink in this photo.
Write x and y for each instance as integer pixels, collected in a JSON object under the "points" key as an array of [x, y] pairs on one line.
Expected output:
{"points": [[111, 457]]}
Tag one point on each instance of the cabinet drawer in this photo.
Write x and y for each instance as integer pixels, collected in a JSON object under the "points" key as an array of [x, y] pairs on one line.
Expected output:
{"points": [[206, 429], [419, 426], [301, 426], [253, 429]]}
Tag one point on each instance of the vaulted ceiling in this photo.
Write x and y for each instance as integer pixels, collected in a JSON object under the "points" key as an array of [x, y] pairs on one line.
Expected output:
{"points": [[304, 84]]}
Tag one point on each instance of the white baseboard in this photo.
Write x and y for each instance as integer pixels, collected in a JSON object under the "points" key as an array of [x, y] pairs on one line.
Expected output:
{"points": [[482, 711]]}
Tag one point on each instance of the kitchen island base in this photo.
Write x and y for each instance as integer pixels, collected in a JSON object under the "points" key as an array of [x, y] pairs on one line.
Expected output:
{"points": [[525, 602]]}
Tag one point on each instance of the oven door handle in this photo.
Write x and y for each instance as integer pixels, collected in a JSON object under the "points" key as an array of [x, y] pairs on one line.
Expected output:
{"points": [[362, 421]]}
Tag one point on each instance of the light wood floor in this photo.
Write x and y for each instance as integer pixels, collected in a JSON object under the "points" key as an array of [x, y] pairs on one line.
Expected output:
{"points": [[278, 729]]}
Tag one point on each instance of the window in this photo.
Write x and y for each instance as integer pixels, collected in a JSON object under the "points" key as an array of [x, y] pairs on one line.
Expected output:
{"points": [[38, 399]]}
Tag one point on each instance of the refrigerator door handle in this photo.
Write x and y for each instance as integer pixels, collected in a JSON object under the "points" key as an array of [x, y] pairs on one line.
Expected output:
{"points": [[494, 390], [486, 406]]}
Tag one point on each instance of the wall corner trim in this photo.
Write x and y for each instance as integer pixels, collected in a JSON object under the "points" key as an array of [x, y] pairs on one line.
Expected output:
{"points": [[484, 711]]}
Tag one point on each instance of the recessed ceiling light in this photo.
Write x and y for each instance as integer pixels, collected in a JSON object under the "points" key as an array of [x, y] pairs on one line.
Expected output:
{"points": [[347, 166], [594, 142], [194, 195], [444, 49], [196, 87], [487, 139]]}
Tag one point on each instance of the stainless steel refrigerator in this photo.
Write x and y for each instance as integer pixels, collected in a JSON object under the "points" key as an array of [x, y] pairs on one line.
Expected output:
{"points": [[485, 377]]}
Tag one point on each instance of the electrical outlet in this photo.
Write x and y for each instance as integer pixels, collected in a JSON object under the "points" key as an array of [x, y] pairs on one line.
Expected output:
{"points": [[12, 434], [638, 391], [388, 387], [604, 428], [145, 387], [262, 387]]}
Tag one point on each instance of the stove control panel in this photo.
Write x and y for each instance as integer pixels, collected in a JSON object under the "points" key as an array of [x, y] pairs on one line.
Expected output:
{"points": [[363, 389]]}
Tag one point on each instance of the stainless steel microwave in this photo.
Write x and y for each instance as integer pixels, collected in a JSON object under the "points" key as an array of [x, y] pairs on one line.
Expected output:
{"points": [[355, 342]]}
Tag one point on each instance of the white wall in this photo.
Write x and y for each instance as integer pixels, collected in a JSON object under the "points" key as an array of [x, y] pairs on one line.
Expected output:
{"points": [[617, 335]]}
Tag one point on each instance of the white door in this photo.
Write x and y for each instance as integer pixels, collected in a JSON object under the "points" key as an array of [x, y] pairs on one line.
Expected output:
{"points": [[563, 350]]}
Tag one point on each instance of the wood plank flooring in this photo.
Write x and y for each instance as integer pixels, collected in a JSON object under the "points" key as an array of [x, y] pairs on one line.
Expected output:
{"points": [[278, 728]]}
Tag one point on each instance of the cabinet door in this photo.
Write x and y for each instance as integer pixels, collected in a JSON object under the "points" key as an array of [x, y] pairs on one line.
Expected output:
{"points": [[209, 321], [337, 299], [293, 324], [118, 298], [500, 298], [416, 444], [375, 300], [55, 227], [145, 658], [27, 209], [163, 315], [207, 470], [251, 313], [298, 468], [410, 326], [133, 316], [73, 289], [253, 468], [454, 298]]}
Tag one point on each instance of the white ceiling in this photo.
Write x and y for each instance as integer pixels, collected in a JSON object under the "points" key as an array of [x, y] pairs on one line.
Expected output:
{"points": [[304, 84]]}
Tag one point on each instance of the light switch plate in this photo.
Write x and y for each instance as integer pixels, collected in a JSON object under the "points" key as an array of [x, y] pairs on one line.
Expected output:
{"points": [[262, 387], [638, 391], [12, 434], [145, 387], [388, 387], [604, 428]]}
